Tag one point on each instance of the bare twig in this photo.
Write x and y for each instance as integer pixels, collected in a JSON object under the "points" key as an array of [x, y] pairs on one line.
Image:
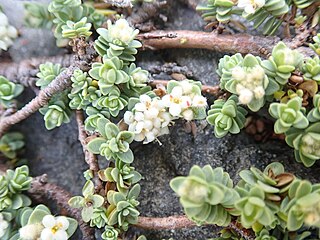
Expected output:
{"points": [[25, 71], [41, 189], [237, 43], [90, 158], [212, 90], [178, 222]]}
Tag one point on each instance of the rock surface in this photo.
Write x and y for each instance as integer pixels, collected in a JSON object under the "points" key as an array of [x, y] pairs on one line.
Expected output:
{"points": [[59, 154]]}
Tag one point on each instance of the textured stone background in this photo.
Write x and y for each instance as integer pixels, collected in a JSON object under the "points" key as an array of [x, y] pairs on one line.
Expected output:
{"points": [[59, 154]]}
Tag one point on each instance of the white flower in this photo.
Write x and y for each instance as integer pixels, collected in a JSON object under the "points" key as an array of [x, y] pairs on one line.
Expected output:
{"points": [[31, 231], [176, 102], [259, 92], [122, 31], [250, 6], [199, 101], [245, 96], [3, 225], [55, 228], [238, 73], [186, 86], [7, 32], [188, 114]]}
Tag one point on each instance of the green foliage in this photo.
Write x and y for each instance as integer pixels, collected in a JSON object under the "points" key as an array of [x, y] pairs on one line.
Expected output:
{"points": [[229, 234], [118, 41], [113, 143], [303, 3], [288, 115], [264, 235], [11, 186], [316, 45], [110, 233], [38, 16], [122, 207], [48, 72], [311, 69], [89, 202], [282, 63], [269, 15], [108, 74], [99, 217], [314, 114], [306, 143], [55, 114], [8, 91], [225, 67], [84, 90], [10, 143], [76, 29], [226, 116], [93, 116], [206, 195], [220, 10], [122, 174]]}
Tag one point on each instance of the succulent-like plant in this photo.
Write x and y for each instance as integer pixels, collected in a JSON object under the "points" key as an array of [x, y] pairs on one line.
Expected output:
{"points": [[8, 91], [48, 72], [288, 115], [250, 82], [316, 45], [113, 143], [306, 143], [118, 40], [304, 205], [108, 74], [11, 186], [282, 63], [99, 217], [114, 102], [123, 174], [264, 235], [225, 67], [110, 233], [10, 143], [226, 116], [94, 114], [37, 15], [253, 208], [311, 69], [220, 10], [55, 114], [76, 29], [314, 114], [206, 194], [88, 202], [122, 207]]}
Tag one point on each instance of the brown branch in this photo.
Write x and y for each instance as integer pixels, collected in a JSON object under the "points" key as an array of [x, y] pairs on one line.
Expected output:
{"points": [[212, 90], [178, 222], [60, 83], [25, 71], [90, 158], [237, 43], [41, 189]]}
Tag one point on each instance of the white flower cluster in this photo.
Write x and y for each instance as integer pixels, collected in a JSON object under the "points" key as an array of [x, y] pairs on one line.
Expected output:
{"points": [[249, 83], [182, 100], [151, 118], [148, 120], [122, 31], [250, 6], [3, 226], [51, 228], [7, 32]]}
